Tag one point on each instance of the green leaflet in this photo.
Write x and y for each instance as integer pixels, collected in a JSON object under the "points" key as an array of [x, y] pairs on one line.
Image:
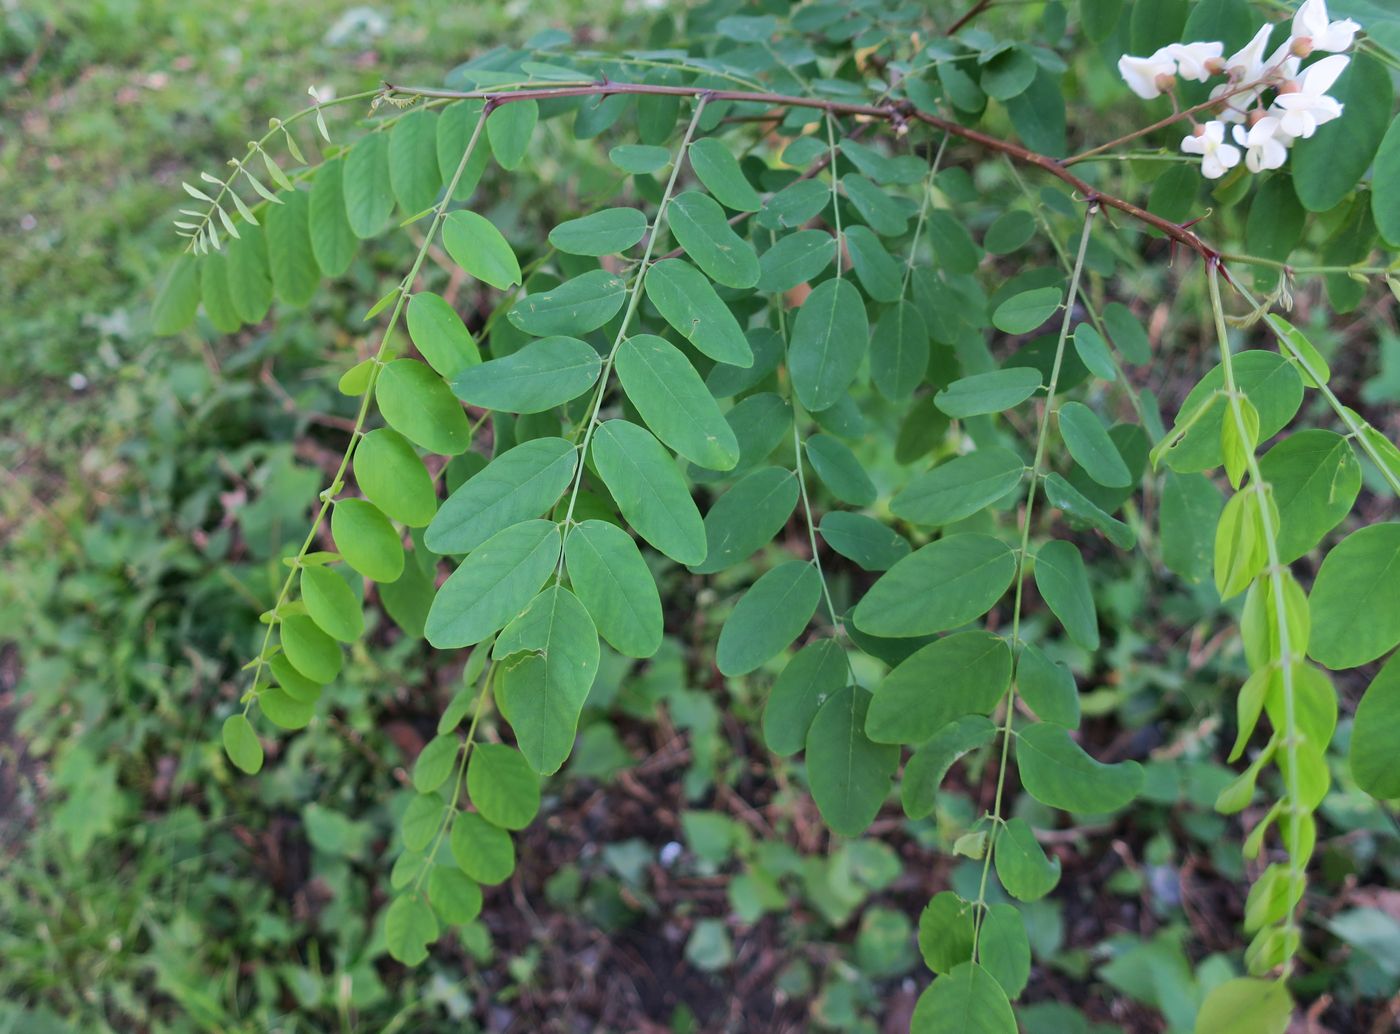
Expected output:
{"points": [[700, 227], [674, 402], [576, 306], [1355, 600], [747, 517], [332, 604], [241, 744], [418, 404], [550, 657], [391, 476], [295, 275], [863, 539], [310, 651], [213, 292], [829, 339], [478, 247], [761, 423], [1024, 312], [899, 351], [544, 374], [903, 168], [1056, 771], [1022, 867], [292, 682], [247, 275], [964, 673], [968, 1000], [649, 490], [884, 215], [502, 786], [639, 159], [408, 599], [688, 303], [930, 763], [1063, 582], [1246, 1006], [454, 131], [815, 673], [946, 932], [1385, 186], [509, 129], [333, 240], [613, 582], [839, 470], [1009, 232], [1004, 949], [1272, 385], [878, 272], [794, 205], [413, 167], [493, 584], [455, 896], [1315, 479], [178, 298], [794, 259], [848, 774], [1089, 444], [609, 232], [367, 540], [1372, 755], [1075, 504], [482, 850], [421, 820], [1186, 526], [365, 186], [971, 570], [992, 392], [769, 616], [521, 483], [1094, 353], [1127, 333], [1047, 687], [435, 762], [1328, 164], [409, 927], [960, 487], [440, 335], [719, 171]]}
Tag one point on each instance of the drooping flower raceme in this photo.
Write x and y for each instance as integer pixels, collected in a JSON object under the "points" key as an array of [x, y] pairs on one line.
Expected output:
{"points": [[1264, 127]]}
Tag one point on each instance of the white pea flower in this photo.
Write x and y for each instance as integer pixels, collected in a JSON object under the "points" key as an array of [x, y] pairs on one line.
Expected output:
{"points": [[1196, 61], [1303, 105], [1264, 147], [1217, 157], [1148, 76], [1313, 30], [1249, 67]]}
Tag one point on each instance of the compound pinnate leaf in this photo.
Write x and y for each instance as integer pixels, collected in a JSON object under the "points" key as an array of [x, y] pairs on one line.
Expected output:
{"points": [[746, 518], [674, 402], [241, 744], [1063, 581], [829, 339], [615, 585], [1022, 867], [688, 302], [418, 404], [409, 927], [849, 775], [649, 490], [609, 232], [544, 374], [964, 673], [1355, 600], [332, 604], [959, 488], [391, 476], [367, 540], [815, 673], [701, 229], [1056, 771], [494, 584], [482, 850], [991, 392], [769, 616], [968, 1000], [521, 483], [971, 570], [478, 247], [502, 786]]}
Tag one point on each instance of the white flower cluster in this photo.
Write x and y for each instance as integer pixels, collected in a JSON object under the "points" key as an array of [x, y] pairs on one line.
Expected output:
{"points": [[1265, 132]]}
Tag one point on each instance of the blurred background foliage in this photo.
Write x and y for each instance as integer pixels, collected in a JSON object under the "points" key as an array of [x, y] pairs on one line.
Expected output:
{"points": [[679, 877]]}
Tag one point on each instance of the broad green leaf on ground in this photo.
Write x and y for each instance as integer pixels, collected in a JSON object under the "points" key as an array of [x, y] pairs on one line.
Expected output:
{"points": [[493, 584], [367, 540], [241, 744], [719, 170], [899, 351], [502, 785], [482, 850], [608, 232], [649, 490], [1022, 866], [440, 335], [816, 672], [391, 476], [478, 247], [544, 374], [1056, 771], [1090, 446], [311, 652], [674, 402], [521, 483], [1063, 581], [972, 571], [959, 488], [413, 168], [1328, 164], [1047, 687], [1372, 754], [839, 470], [768, 617], [795, 259], [848, 774], [1246, 1006], [992, 392], [930, 762], [747, 517], [365, 186], [829, 339], [967, 1000], [509, 129], [409, 927], [964, 673], [702, 230], [1355, 599], [1315, 479], [1024, 312], [332, 604], [418, 404], [576, 306], [1272, 384], [614, 583], [688, 302], [871, 544]]}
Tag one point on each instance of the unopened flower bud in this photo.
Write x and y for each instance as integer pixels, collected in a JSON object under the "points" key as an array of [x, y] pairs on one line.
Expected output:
{"points": [[1215, 65], [1165, 82], [1198, 130], [1301, 46], [1290, 86], [1254, 116]]}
